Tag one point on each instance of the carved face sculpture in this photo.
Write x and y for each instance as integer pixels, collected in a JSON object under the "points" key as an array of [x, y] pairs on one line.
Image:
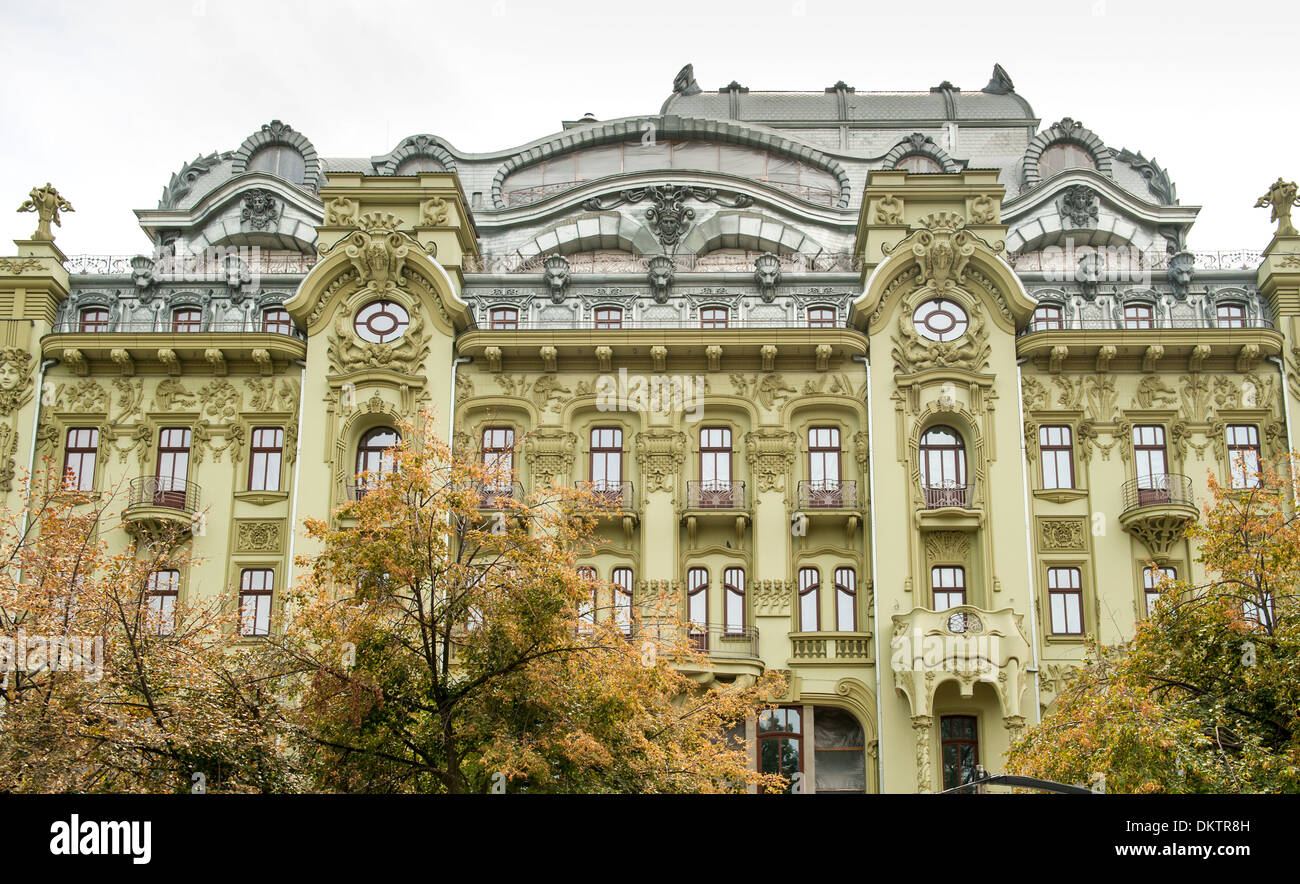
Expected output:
{"points": [[10, 375], [142, 275]]}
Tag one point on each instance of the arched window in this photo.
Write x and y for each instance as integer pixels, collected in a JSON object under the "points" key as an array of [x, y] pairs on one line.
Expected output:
{"points": [[733, 600], [1231, 316], [821, 317], [94, 319], [943, 468], [840, 749], [917, 162], [1064, 155], [188, 319], [1139, 316], [280, 160], [622, 580], [505, 318], [809, 600], [276, 321], [373, 457], [780, 742], [1046, 316], [697, 607], [846, 600]]}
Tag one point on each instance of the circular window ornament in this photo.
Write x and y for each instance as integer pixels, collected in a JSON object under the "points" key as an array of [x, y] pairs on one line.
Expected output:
{"points": [[380, 322], [940, 320]]}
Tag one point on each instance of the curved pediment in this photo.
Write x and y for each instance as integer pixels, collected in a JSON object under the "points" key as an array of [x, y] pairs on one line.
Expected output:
{"points": [[944, 259]]}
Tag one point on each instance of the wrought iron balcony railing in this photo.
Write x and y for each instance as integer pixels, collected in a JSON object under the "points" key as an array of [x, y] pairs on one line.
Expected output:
{"points": [[495, 496], [163, 491], [1155, 324], [72, 325], [1158, 489], [720, 641], [791, 262], [948, 494], [715, 494], [614, 494], [827, 495], [635, 324]]}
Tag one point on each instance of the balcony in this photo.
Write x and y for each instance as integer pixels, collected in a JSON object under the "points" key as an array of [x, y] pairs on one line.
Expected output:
{"points": [[715, 494], [965, 645], [615, 495], [828, 495], [830, 647], [948, 494], [1157, 510], [1153, 324], [497, 496], [72, 326], [158, 503], [723, 643]]}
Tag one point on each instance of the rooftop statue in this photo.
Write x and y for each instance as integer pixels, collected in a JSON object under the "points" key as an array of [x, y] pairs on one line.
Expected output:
{"points": [[46, 203], [1281, 196]]}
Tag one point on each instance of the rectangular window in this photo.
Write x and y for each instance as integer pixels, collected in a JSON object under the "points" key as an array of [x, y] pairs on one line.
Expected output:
{"points": [[264, 461], [780, 742], [79, 458], [606, 459], [255, 589], [622, 580], [587, 610], [821, 317], [1243, 455], [173, 467], [609, 317], [713, 317], [733, 599], [846, 600], [824, 457], [1057, 454], [960, 746], [162, 591], [505, 318], [697, 607], [1151, 579], [809, 600], [715, 457], [949, 587], [1151, 464], [1065, 600], [499, 455]]}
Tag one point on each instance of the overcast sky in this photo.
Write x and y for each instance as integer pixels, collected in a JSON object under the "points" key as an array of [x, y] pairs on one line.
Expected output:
{"points": [[107, 100]]}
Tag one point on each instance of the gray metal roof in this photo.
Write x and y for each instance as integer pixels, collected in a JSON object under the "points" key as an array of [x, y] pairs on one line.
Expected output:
{"points": [[885, 107]]}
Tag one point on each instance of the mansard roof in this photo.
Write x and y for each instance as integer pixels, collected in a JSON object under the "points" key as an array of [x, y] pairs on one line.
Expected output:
{"points": [[997, 101]]}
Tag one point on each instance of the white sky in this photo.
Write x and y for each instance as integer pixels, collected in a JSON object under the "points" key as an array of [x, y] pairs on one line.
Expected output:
{"points": [[107, 100]]}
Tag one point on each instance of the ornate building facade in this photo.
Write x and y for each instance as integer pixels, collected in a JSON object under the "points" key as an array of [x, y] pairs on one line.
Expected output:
{"points": [[904, 394]]}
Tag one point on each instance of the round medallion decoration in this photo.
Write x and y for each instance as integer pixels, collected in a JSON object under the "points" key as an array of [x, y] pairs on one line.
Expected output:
{"points": [[940, 320], [380, 322]]}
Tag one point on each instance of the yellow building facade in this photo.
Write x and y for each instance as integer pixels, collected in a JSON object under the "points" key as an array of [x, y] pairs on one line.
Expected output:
{"points": [[898, 393]]}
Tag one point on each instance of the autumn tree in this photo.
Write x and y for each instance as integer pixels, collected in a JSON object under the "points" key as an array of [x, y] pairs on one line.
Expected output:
{"points": [[107, 681], [1206, 696], [444, 639]]}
